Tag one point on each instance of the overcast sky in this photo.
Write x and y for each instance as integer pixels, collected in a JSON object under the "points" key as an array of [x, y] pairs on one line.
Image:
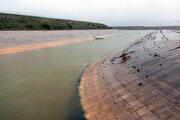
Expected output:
{"points": [[109, 12]]}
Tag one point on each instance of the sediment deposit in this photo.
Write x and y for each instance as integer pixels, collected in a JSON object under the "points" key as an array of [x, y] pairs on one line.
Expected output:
{"points": [[19, 41]]}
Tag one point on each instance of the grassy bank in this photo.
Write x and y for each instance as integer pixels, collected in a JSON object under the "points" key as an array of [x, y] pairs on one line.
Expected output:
{"points": [[22, 22]]}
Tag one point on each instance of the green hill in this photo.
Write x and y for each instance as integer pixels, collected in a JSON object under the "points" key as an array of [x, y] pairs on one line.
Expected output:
{"points": [[22, 22]]}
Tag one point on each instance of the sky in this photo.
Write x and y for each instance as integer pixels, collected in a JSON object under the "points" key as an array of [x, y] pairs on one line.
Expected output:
{"points": [[109, 12]]}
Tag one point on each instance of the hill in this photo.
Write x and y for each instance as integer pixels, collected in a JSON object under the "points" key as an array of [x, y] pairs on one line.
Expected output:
{"points": [[23, 22]]}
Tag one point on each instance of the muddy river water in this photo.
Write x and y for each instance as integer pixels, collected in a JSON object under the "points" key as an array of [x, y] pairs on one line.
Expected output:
{"points": [[43, 84]]}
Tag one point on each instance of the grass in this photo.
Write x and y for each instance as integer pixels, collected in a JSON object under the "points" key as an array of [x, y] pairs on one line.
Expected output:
{"points": [[23, 22]]}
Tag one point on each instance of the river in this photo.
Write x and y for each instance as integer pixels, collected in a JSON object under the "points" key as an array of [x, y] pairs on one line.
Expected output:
{"points": [[43, 84]]}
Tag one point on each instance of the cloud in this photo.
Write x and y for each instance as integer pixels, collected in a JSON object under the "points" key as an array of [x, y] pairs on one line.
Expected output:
{"points": [[110, 12]]}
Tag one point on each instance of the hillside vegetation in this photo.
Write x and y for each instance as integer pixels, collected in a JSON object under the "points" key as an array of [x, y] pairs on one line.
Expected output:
{"points": [[22, 22]]}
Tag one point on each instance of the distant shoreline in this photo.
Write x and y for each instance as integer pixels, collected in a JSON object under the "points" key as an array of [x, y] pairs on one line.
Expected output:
{"points": [[146, 27], [19, 41]]}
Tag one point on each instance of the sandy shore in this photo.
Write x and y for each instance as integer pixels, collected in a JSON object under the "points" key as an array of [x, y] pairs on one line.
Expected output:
{"points": [[19, 41], [138, 82]]}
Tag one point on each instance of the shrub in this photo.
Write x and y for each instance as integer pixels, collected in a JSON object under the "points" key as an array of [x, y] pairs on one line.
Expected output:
{"points": [[29, 25], [46, 25], [69, 26]]}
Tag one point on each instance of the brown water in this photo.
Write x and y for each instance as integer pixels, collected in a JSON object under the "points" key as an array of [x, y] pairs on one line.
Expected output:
{"points": [[43, 84]]}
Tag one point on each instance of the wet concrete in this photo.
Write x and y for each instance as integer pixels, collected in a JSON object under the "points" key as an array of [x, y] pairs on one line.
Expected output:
{"points": [[138, 82]]}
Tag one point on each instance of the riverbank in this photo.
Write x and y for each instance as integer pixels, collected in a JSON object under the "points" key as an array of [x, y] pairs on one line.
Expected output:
{"points": [[140, 81], [19, 41]]}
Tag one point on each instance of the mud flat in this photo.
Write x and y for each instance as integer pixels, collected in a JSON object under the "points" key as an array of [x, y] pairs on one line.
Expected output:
{"points": [[19, 41], [138, 82]]}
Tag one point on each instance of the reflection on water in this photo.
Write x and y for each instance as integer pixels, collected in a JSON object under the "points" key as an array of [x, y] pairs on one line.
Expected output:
{"points": [[42, 84]]}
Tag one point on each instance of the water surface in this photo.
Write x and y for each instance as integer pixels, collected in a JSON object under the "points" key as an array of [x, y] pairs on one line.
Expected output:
{"points": [[42, 84]]}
